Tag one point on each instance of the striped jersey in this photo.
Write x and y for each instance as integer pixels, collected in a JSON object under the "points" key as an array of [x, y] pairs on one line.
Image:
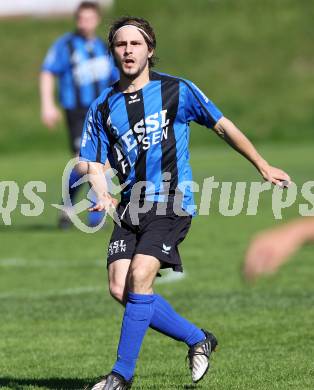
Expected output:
{"points": [[145, 135], [84, 69]]}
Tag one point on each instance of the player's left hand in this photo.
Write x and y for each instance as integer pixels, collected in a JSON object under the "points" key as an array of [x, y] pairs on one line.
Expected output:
{"points": [[275, 176]]}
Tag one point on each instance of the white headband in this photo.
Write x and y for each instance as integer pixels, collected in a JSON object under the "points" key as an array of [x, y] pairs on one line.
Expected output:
{"points": [[132, 25]]}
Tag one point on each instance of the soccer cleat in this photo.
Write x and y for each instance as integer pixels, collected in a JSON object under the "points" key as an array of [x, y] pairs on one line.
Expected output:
{"points": [[199, 355], [113, 381]]}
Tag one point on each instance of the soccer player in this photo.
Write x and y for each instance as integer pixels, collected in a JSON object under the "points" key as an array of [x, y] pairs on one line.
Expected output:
{"points": [[141, 124], [81, 63]]}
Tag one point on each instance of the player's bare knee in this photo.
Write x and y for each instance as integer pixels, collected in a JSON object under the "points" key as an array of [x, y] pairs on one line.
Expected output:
{"points": [[117, 291], [117, 274], [140, 279]]}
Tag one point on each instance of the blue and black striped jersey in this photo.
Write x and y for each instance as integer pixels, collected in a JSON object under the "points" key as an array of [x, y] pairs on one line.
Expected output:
{"points": [[84, 69], [145, 134]]}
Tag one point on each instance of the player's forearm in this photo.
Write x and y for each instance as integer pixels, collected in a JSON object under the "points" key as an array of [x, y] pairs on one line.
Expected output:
{"points": [[97, 179], [47, 89], [237, 140]]}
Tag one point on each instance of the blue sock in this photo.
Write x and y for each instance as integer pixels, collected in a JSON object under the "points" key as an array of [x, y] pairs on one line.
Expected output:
{"points": [[167, 321], [74, 177], [94, 217], [137, 317]]}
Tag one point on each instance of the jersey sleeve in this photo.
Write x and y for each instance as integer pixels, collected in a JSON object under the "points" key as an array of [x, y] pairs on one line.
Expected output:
{"points": [[57, 58], [199, 108], [94, 143]]}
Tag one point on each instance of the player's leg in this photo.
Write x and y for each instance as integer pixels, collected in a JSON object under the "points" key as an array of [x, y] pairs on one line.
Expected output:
{"points": [[164, 233], [138, 312], [144, 309], [140, 272], [120, 250], [160, 239], [165, 319], [117, 276], [142, 302]]}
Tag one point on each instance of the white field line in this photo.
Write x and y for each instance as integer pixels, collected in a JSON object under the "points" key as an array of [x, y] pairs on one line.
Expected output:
{"points": [[26, 263], [168, 276], [22, 294]]}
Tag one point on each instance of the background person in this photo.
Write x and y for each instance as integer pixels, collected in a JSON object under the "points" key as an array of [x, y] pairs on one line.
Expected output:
{"points": [[83, 67], [270, 249]]}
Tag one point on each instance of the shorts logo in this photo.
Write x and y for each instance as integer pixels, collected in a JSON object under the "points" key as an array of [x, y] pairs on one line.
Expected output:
{"points": [[166, 249], [116, 247]]}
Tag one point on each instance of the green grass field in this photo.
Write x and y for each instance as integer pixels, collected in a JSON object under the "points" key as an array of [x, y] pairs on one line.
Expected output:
{"points": [[59, 327]]}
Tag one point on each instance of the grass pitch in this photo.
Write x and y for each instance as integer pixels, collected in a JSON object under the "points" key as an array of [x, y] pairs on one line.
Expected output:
{"points": [[59, 327]]}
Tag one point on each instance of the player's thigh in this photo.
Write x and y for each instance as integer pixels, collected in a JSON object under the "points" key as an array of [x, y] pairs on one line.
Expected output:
{"points": [[161, 236], [121, 250]]}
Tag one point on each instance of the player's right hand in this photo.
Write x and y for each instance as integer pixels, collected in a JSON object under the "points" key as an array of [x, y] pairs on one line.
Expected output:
{"points": [[50, 116]]}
